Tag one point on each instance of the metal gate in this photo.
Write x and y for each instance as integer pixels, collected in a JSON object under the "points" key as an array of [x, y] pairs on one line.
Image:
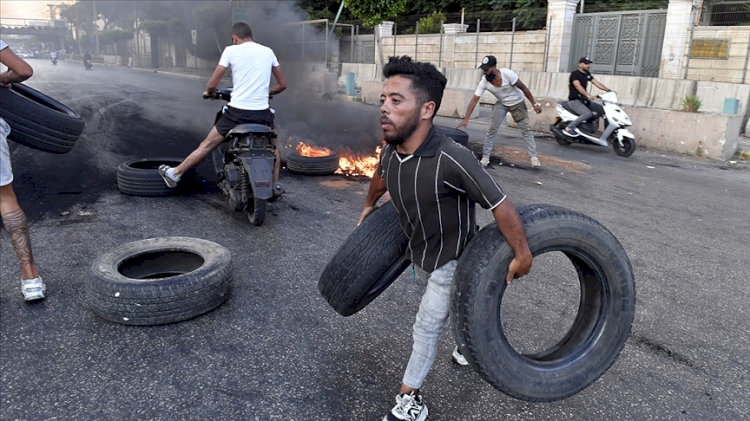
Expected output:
{"points": [[623, 43]]}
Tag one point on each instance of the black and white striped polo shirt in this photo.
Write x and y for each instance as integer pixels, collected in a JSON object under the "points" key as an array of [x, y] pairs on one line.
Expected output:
{"points": [[435, 191]]}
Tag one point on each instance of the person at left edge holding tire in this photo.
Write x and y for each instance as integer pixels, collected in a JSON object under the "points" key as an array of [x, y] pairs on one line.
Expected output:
{"points": [[434, 183], [14, 220]]}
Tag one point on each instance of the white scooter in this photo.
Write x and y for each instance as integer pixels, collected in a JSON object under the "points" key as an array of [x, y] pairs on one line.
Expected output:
{"points": [[615, 123]]}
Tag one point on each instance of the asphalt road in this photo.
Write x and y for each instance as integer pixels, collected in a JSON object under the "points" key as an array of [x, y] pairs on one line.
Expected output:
{"points": [[276, 351]]}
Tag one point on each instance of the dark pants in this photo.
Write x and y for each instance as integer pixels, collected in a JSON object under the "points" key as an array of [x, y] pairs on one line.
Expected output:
{"points": [[584, 112]]}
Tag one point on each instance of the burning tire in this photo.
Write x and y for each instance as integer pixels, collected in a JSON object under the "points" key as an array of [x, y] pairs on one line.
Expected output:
{"points": [[366, 264], [159, 281], [38, 121], [602, 320], [312, 165], [459, 136], [140, 177]]}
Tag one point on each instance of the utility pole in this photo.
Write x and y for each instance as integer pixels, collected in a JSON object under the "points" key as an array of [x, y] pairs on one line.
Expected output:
{"points": [[96, 30], [137, 38], [78, 32]]}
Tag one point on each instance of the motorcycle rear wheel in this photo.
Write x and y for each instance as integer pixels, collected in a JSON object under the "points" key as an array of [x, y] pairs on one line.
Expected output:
{"points": [[256, 211], [561, 140]]}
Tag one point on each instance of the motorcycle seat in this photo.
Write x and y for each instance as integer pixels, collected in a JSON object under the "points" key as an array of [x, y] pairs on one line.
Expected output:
{"points": [[241, 129], [566, 105]]}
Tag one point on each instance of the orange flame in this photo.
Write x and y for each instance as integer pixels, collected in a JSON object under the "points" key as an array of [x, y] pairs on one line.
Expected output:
{"points": [[312, 151], [350, 164], [356, 164]]}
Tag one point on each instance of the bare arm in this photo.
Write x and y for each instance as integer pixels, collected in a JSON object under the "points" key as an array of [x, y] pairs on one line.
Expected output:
{"points": [[511, 227], [469, 110], [527, 93], [579, 88], [376, 191], [599, 85], [280, 85], [213, 83], [18, 69]]}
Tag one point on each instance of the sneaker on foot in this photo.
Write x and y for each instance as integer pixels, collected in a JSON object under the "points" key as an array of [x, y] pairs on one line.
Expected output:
{"points": [[33, 289], [485, 161], [535, 162], [409, 407], [458, 358], [171, 183], [572, 132]]}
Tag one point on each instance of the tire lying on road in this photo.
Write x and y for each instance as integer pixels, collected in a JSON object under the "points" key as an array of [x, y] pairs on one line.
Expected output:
{"points": [[366, 264], [159, 280], [459, 136], [140, 177], [309, 165], [600, 328], [38, 121]]}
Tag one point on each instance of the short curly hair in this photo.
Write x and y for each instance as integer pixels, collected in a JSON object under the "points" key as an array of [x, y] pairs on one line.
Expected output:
{"points": [[426, 80]]}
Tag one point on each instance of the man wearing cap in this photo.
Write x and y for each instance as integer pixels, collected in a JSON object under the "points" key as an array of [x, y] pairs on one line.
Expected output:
{"points": [[582, 102], [509, 91]]}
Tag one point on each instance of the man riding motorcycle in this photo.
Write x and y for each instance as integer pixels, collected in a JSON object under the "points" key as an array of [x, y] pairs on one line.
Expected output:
{"points": [[252, 65], [583, 103]]}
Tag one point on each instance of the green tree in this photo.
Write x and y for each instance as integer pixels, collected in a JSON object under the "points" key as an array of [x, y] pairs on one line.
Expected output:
{"points": [[372, 12]]}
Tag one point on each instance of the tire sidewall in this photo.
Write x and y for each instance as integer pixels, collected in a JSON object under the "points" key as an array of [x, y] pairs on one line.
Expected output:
{"points": [[479, 322], [105, 268]]}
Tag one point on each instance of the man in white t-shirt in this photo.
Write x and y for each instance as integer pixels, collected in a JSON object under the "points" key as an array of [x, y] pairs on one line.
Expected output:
{"points": [[14, 219], [252, 66], [509, 91]]}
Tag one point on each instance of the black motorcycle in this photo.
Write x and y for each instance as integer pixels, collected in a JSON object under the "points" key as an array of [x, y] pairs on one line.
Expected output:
{"points": [[54, 61], [244, 164], [88, 64]]}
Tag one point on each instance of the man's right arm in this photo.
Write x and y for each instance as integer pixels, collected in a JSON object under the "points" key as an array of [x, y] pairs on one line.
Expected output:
{"points": [[213, 83], [18, 69], [469, 110], [376, 191], [579, 88]]}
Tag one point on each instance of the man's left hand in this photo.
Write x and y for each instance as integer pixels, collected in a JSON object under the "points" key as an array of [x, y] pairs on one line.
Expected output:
{"points": [[518, 267], [538, 108]]}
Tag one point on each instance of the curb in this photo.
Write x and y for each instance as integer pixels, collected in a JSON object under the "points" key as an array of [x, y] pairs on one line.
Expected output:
{"points": [[164, 72]]}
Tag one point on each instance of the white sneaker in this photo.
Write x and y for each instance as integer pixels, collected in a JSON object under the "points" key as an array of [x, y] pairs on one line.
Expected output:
{"points": [[409, 407], [33, 289], [535, 162], [485, 161], [458, 358]]}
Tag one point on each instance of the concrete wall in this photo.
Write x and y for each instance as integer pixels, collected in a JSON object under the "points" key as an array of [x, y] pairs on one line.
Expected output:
{"points": [[731, 69]]}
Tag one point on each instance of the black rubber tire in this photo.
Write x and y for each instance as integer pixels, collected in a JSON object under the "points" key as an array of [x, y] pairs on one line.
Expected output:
{"points": [[38, 121], [459, 136], [366, 264], [257, 213], [627, 149], [140, 177], [159, 280], [322, 165], [560, 140], [595, 338]]}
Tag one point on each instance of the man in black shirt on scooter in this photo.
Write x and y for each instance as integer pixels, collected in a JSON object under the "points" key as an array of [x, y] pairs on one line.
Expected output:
{"points": [[583, 103]]}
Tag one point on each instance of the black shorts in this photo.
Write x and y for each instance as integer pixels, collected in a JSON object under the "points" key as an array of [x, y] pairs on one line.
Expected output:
{"points": [[234, 116]]}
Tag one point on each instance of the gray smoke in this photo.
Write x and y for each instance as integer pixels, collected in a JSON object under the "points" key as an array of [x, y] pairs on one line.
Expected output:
{"points": [[300, 112]]}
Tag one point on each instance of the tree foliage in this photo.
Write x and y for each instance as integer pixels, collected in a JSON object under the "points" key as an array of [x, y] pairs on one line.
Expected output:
{"points": [[372, 12]]}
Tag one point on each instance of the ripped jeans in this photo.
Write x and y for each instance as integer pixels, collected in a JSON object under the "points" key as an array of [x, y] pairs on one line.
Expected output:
{"points": [[431, 319]]}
